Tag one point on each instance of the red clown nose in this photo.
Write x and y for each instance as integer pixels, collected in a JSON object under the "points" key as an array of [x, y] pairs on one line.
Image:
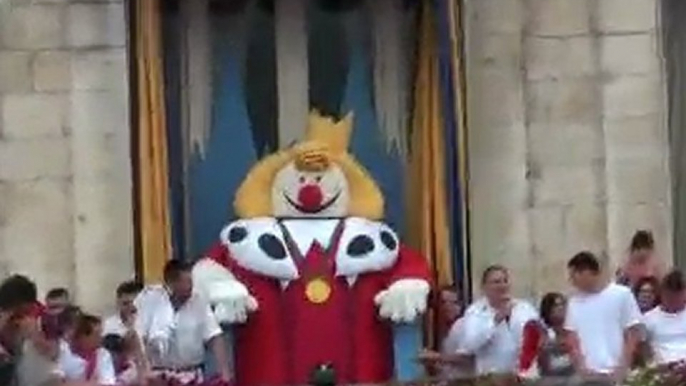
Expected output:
{"points": [[310, 197]]}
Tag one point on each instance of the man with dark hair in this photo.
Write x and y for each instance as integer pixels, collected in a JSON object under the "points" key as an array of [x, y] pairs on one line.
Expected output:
{"points": [[121, 322], [56, 300], [176, 273], [584, 261], [666, 323], [176, 323], [18, 296], [604, 317]]}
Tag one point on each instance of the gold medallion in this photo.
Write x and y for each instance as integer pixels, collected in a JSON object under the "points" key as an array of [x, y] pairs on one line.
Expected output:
{"points": [[318, 291]]}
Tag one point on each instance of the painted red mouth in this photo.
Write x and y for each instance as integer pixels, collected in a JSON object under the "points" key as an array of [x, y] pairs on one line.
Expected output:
{"points": [[312, 210]]}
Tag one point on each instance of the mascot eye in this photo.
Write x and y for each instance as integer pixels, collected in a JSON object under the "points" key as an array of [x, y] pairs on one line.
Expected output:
{"points": [[318, 178], [302, 179]]}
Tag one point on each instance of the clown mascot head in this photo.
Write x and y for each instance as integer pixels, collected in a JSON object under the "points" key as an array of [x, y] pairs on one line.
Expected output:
{"points": [[308, 273]]}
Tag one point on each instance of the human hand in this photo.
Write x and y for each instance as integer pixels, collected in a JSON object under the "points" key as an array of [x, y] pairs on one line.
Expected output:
{"points": [[427, 355], [129, 320], [225, 376]]}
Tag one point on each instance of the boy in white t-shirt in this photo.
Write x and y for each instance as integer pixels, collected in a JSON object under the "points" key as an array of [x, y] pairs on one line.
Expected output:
{"points": [[604, 317], [666, 324], [82, 359]]}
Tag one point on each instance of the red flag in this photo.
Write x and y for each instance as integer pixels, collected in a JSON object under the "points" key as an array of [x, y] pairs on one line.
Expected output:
{"points": [[531, 342]]}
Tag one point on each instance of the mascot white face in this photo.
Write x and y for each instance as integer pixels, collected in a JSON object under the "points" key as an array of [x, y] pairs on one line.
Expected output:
{"points": [[314, 194]]}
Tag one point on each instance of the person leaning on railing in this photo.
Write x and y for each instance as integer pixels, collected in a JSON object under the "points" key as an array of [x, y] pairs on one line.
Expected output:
{"points": [[450, 362], [493, 325]]}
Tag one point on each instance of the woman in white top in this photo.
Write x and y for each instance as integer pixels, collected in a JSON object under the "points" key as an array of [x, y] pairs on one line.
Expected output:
{"points": [[492, 326], [666, 324]]}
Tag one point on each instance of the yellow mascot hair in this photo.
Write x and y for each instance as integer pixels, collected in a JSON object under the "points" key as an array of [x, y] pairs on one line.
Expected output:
{"points": [[326, 142]]}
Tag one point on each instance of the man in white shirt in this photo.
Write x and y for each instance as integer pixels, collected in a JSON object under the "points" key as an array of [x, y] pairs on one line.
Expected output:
{"points": [[175, 324], [666, 324], [126, 309], [492, 326], [605, 319]]}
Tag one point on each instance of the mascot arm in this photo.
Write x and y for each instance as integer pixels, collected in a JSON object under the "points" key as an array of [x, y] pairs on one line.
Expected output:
{"points": [[405, 299], [231, 300]]}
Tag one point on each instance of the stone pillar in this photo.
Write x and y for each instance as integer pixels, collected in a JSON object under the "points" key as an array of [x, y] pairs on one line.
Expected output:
{"points": [[35, 152], [566, 174], [65, 181], [100, 139], [498, 191], [567, 144], [634, 125]]}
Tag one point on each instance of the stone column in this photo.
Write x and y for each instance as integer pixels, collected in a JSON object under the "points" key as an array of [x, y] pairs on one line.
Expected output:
{"points": [[567, 143], [566, 165], [498, 191], [634, 124], [100, 137], [36, 196], [65, 181]]}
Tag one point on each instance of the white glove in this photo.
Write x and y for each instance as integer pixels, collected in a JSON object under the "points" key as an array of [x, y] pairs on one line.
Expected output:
{"points": [[231, 299], [404, 300]]}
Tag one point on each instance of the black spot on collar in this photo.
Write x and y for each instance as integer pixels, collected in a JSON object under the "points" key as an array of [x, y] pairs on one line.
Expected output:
{"points": [[237, 234], [272, 246], [388, 240], [360, 246]]}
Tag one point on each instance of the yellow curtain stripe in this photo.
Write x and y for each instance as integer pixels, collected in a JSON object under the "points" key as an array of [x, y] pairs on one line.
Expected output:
{"points": [[427, 206], [153, 192]]}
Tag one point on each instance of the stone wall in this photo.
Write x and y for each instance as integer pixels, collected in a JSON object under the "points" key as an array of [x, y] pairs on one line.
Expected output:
{"points": [[567, 139], [65, 175], [568, 145]]}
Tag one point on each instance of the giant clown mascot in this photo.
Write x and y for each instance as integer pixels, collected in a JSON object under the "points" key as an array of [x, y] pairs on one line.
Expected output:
{"points": [[308, 273]]}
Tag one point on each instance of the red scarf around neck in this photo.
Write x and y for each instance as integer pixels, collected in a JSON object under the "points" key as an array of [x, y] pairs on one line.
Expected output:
{"points": [[91, 358]]}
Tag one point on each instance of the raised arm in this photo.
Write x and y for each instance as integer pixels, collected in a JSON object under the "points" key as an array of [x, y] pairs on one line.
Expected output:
{"points": [[478, 329], [572, 321]]}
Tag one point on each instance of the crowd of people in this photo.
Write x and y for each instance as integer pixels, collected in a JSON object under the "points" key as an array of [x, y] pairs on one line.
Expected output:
{"points": [[157, 337], [607, 326], [160, 334]]}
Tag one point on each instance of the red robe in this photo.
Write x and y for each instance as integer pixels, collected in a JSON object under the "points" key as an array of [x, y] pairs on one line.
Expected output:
{"points": [[289, 336]]}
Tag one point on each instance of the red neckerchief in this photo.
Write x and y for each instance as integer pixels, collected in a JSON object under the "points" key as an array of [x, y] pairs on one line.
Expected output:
{"points": [[91, 358]]}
